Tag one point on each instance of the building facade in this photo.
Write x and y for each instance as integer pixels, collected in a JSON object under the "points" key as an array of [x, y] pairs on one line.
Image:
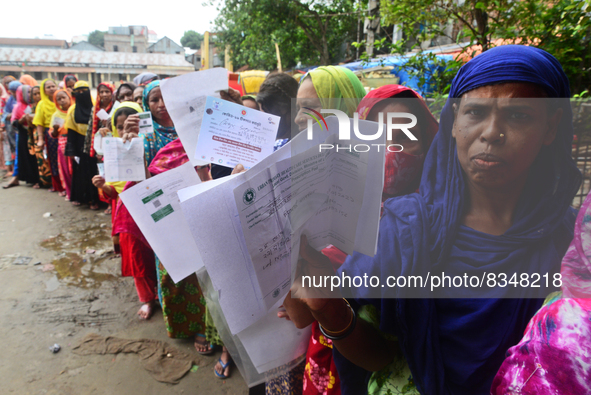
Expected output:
{"points": [[131, 39]]}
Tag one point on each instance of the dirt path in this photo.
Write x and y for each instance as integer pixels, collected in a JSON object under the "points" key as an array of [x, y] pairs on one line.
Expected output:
{"points": [[75, 290]]}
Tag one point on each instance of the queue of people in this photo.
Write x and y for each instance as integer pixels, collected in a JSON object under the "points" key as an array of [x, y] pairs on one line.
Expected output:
{"points": [[487, 187]]}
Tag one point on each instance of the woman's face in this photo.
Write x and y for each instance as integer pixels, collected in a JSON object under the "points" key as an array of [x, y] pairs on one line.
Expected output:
{"points": [[70, 83], [105, 95], [63, 100], [36, 95], [413, 147], [250, 104], [125, 94], [120, 124], [307, 97], [50, 89], [499, 131], [157, 107], [137, 95]]}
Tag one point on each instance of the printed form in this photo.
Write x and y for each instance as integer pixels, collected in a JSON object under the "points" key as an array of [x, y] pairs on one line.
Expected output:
{"points": [[155, 207], [332, 197], [185, 98], [124, 162]]}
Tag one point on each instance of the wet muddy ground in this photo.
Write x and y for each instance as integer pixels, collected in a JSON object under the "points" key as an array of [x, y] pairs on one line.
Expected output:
{"points": [[59, 281]]}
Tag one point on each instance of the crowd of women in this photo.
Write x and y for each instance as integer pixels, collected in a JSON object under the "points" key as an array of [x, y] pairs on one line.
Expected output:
{"points": [[488, 187]]}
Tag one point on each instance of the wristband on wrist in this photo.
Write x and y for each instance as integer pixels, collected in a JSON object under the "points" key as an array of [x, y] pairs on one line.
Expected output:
{"points": [[342, 333]]}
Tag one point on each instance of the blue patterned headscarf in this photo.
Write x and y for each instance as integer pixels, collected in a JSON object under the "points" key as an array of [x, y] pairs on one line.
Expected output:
{"points": [[456, 346], [162, 135]]}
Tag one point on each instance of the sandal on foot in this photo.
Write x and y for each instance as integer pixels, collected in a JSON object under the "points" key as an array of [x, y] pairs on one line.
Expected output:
{"points": [[224, 367], [210, 347], [94, 207], [9, 186]]}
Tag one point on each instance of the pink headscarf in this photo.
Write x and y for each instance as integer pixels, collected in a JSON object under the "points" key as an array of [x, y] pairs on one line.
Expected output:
{"points": [[21, 105]]}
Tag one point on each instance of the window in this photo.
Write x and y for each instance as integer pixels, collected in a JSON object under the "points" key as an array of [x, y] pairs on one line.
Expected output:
{"points": [[178, 52], [134, 49], [115, 48]]}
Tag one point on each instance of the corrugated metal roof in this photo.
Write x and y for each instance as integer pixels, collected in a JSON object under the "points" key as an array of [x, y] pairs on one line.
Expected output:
{"points": [[33, 41], [74, 58]]}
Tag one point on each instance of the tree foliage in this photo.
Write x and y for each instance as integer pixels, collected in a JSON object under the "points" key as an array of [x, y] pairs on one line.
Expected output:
{"points": [[97, 38], [192, 39], [312, 32], [561, 27]]}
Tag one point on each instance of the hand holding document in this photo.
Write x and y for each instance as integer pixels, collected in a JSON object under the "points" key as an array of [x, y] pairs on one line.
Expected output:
{"points": [[124, 162], [185, 98], [332, 196], [154, 206], [146, 125], [231, 134]]}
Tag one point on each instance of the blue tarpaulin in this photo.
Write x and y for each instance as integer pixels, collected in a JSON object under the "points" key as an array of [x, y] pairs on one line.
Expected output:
{"points": [[396, 62]]}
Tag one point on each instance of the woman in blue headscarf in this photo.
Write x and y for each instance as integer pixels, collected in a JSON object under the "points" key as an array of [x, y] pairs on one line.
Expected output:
{"points": [[494, 198], [164, 131]]}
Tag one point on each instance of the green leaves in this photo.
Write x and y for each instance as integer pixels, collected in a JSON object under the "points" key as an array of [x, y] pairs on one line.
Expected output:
{"points": [[303, 30]]}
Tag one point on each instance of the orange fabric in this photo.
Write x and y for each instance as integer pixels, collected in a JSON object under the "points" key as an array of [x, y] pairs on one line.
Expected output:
{"points": [[26, 79]]}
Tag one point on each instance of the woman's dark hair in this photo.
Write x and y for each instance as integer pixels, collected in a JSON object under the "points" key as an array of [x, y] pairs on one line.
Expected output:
{"points": [[275, 97], [408, 99], [127, 111]]}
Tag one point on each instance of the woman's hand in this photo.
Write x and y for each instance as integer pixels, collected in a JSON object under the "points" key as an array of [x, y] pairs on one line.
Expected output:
{"points": [[131, 127], [231, 95], [98, 181], [238, 169], [104, 131], [204, 173], [40, 143], [55, 131]]}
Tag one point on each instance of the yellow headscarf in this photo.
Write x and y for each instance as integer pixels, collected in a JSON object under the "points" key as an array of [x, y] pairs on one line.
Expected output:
{"points": [[45, 108], [120, 185], [70, 121], [334, 83], [129, 104]]}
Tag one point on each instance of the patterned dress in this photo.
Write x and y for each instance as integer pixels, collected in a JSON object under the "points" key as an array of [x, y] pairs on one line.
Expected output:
{"points": [[554, 356]]}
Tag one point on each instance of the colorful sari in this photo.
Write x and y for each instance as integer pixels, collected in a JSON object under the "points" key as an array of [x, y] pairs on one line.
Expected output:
{"points": [[183, 305], [554, 355], [47, 156], [26, 167], [64, 164]]}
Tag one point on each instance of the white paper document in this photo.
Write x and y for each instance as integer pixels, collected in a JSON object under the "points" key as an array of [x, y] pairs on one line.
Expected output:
{"points": [[155, 207], [103, 115], [332, 197], [146, 126], [124, 162], [58, 121], [185, 102], [98, 143], [232, 134]]}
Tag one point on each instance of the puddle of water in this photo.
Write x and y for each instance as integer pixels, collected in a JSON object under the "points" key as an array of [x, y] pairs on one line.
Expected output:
{"points": [[73, 266]]}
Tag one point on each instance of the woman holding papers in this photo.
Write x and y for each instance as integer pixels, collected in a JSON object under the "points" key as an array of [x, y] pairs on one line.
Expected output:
{"points": [[402, 176], [47, 146], [182, 303], [22, 122], [104, 101], [495, 196], [83, 166]]}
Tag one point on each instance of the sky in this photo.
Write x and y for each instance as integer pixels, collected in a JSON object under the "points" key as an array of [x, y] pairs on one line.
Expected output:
{"points": [[169, 18]]}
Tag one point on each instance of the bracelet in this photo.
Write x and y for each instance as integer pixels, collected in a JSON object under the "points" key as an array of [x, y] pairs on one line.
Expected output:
{"points": [[343, 333]]}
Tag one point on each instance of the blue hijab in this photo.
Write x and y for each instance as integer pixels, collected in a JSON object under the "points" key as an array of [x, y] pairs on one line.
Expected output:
{"points": [[162, 134], [455, 346]]}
